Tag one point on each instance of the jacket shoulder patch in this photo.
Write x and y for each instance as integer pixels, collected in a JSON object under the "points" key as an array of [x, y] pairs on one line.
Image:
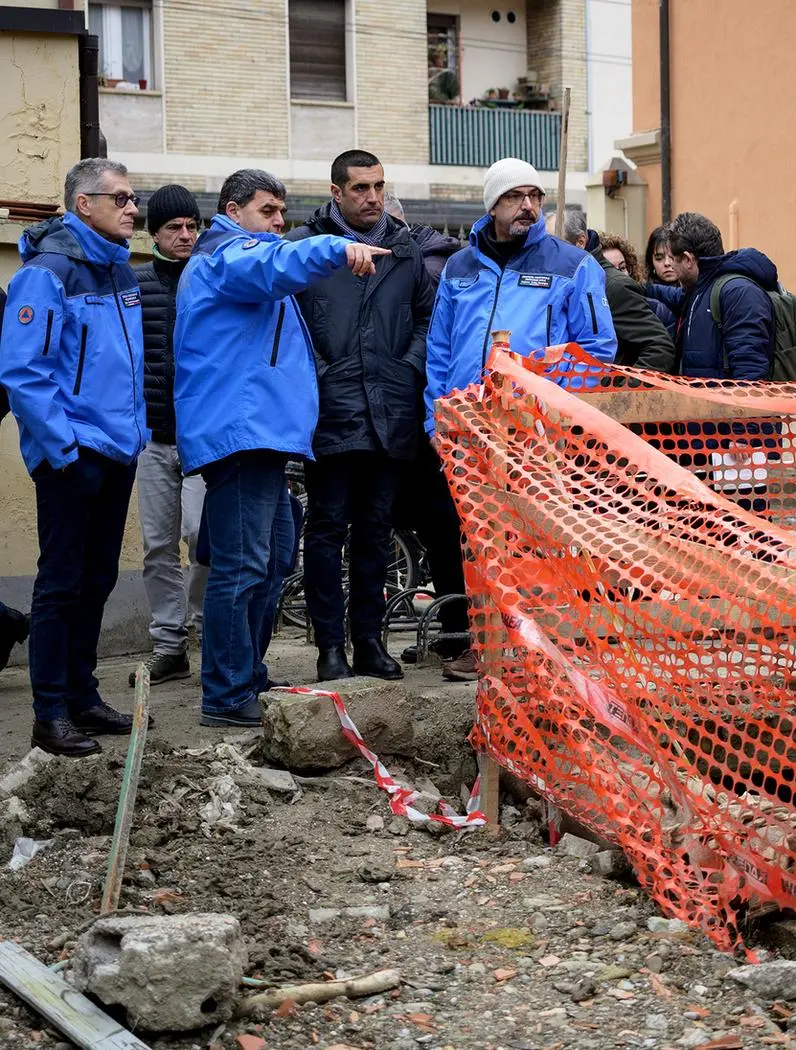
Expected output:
{"points": [[131, 297], [535, 280], [25, 315], [250, 244]]}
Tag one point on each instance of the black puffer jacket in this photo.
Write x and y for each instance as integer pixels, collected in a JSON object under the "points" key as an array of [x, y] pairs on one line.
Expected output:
{"points": [[369, 336], [436, 248], [158, 282]]}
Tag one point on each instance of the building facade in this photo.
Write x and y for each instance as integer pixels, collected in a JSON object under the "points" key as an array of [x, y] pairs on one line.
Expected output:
{"points": [[732, 80]]}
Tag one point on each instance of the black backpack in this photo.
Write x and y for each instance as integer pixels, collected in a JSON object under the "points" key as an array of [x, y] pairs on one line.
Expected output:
{"points": [[783, 365]]}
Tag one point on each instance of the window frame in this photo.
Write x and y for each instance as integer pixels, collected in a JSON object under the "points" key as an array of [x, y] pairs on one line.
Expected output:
{"points": [[112, 34], [342, 92]]}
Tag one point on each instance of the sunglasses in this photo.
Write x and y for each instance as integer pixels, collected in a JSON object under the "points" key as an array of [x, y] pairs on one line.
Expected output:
{"points": [[121, 200]]}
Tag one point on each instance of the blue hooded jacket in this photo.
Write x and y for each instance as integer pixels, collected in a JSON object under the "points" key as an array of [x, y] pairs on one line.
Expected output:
{"points": [[244, 369], [549, 293], [72, 354], [748, 330]]}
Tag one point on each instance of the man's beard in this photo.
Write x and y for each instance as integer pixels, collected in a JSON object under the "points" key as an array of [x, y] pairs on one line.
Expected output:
{"points": [[520, 227]]}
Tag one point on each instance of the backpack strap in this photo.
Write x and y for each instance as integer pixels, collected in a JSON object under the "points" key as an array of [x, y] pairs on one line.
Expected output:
{"points": [[715, 307]]}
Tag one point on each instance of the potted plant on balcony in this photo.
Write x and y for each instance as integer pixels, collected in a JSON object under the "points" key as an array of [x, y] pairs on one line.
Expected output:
{"points": [[503, 93]]}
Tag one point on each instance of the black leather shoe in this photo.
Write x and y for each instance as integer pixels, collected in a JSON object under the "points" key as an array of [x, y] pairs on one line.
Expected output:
{"points": [[333, 664], [60, 737], [373, 660], [101, 719]]}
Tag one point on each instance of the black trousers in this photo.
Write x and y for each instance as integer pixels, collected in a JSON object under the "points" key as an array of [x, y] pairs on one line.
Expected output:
{"points": [[425, 505], [80, 515], [353, 489]]}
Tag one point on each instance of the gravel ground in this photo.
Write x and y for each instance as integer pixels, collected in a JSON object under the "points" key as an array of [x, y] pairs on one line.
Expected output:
{"points": [[501, 943]]}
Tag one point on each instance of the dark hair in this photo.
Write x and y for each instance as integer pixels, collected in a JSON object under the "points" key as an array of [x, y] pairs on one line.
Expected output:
{"points": [[352, 158], [692, 232], [241, 187], [658, 236], [613, 240]]}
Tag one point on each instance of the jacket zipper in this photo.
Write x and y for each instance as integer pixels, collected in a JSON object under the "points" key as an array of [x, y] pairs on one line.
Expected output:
{"points": [[549, 322], [491, 318], [81, 360], [48, 333], [277, 334], [593, 313], [129, 352]]}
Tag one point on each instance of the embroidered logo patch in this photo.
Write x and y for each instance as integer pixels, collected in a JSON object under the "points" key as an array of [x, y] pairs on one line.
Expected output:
{"points": [[94, 300], [535, 280], [131, 298], [250, 244], [25, 315]]}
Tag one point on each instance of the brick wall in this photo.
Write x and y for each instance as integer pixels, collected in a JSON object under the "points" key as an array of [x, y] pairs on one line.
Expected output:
{"points": [[392, 72], [557, 51], [226, 78]]}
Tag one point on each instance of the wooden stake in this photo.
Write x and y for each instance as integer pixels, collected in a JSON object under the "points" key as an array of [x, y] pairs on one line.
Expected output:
{"points": [[126, 807], [561, 194]]}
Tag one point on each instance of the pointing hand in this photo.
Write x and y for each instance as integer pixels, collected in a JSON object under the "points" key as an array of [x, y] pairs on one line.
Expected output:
{"points": [[360, 258]]}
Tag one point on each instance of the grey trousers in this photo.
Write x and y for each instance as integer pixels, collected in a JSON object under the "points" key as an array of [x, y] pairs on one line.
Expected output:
{"points": [[170, 508]]}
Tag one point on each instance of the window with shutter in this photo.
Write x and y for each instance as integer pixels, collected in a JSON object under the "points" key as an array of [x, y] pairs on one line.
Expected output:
{"points": [[317, 49]]}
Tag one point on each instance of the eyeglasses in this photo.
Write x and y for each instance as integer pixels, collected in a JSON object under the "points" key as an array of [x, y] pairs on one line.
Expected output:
{"points": [[121, 200], [516, 198]]}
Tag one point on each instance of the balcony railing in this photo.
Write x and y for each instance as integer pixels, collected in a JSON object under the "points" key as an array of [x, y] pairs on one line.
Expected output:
{"points": [[478, 136]]}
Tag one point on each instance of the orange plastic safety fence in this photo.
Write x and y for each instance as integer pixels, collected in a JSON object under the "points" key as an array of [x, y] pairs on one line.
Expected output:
{"points": [[632, 604]]}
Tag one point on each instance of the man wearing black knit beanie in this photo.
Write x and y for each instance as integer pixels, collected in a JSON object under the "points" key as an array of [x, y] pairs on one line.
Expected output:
{"points": [[170, 505]]}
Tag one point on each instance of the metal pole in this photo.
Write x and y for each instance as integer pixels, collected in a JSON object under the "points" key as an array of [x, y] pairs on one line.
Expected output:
{"points": [[666, 129]]}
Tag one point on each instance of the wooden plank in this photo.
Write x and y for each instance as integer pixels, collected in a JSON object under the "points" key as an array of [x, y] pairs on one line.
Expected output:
{"points": [[490, 788], [59, 1003], [632, 405], [126, 807]]}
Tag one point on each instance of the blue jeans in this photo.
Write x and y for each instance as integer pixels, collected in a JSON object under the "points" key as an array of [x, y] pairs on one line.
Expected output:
{"points": [[244, 492], [283, 542], [80, 515]]}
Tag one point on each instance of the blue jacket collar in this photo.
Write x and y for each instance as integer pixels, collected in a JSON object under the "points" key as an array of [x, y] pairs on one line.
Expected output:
{"points": [[536, 234], [68, 235], [223, 223]]}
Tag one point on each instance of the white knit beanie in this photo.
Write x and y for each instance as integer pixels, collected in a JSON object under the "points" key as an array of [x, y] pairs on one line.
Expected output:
{"points": [[508, 174]]}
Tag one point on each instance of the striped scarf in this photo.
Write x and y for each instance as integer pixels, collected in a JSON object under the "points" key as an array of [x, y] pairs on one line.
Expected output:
{"points": [[374, 236]]}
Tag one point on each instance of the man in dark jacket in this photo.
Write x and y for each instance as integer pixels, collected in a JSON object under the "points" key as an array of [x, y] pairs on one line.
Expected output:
{"points": [[169, 504], [369, 338], [641, 336], [742, 347], [72, 360]]}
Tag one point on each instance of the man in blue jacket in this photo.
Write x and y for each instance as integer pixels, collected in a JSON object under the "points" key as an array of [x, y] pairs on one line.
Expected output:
{"points": [[71, 359], [246, 398], [512, 275]]}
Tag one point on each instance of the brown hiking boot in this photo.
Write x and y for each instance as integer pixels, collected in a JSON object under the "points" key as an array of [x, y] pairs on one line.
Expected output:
{"points": [[463, 669]]}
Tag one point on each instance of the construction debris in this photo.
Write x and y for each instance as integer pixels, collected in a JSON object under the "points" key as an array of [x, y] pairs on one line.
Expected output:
{"points": [[769, 980], [170, 973], [352, 988]]}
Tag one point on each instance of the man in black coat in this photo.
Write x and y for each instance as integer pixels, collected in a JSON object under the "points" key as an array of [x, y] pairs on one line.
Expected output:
{"points": [[369, 337], [170, 505]]}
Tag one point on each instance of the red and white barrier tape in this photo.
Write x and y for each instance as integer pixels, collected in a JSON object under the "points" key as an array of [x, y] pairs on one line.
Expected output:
{"points": [[401, 798]]}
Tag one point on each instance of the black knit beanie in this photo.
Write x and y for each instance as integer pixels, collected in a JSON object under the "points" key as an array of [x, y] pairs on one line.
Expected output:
{"points": [[171, 202]]}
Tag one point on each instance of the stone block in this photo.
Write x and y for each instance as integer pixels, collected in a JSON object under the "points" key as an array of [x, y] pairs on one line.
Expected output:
{"points": [[580, 849], [610, 864], [21, 772], [303, 731], [769, 980], [171, 973]]}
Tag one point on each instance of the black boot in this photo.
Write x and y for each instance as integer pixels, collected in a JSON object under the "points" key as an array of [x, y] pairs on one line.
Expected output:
{"points": [[373, 660], [333, 664], [61, 737]]}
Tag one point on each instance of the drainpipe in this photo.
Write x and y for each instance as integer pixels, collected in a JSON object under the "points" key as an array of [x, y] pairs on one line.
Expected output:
{"points": [[666, 129], [92, 142]]}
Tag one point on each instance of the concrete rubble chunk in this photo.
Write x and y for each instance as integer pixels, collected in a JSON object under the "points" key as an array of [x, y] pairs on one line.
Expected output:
{"points": [[610, 864], [769, 980], [658, 924], [379, 912], [171, 973], [277, 780], [580, 849], [21, 772], [14, 817]]}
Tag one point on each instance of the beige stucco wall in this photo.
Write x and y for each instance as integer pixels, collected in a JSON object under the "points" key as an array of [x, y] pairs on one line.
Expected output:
{"points": [[733, 123], [39, 114]]}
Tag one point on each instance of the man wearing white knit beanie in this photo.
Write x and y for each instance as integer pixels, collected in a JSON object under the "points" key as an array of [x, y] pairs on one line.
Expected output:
{"points": [[512, 275]]}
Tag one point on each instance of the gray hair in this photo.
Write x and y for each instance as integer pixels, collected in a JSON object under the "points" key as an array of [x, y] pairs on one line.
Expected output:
{"points": [[393, 205], [574, 224], [242, 186], [88, 176]]}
